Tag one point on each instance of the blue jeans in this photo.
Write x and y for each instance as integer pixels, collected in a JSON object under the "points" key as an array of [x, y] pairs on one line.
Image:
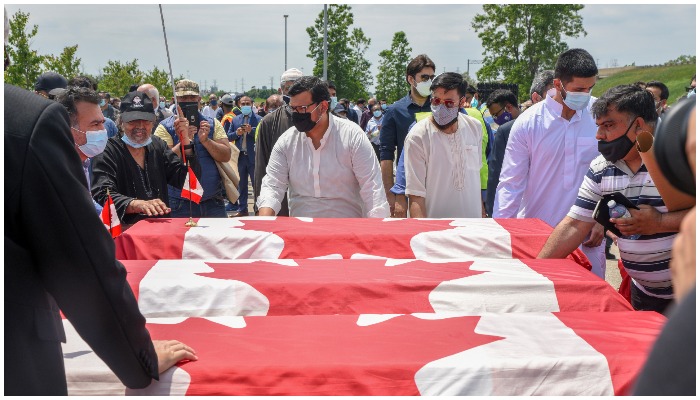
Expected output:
{"points": [[212, 208]]}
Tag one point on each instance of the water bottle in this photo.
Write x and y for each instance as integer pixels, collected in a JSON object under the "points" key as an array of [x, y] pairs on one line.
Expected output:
{"points": [[620, 211]]}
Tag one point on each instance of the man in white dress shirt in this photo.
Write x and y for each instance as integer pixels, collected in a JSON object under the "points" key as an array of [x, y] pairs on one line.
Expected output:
{"points": [[326, 163], [443, 156], [549, 151]]}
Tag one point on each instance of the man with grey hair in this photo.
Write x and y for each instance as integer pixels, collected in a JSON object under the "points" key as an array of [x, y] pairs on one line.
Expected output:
{"points": [[152, 92], [543, 81], [272, 126]]}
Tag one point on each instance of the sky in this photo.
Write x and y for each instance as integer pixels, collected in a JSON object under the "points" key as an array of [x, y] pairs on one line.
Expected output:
{"points": [[239, 46]]}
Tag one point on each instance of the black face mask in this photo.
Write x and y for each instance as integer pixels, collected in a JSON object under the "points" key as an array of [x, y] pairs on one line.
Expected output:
{"points": [[302, 121], [617, 149]]}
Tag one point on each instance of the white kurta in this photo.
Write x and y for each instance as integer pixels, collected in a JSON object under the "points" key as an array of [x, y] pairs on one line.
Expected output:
{"points": [[340, 179], [444, 168]]}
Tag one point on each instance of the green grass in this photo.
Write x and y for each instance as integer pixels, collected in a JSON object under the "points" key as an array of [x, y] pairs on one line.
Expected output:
{"points": [[676, 77]]}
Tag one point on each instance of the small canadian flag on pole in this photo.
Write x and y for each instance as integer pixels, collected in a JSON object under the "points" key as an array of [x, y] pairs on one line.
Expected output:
{"points": [[192, 189], [109, 217]]}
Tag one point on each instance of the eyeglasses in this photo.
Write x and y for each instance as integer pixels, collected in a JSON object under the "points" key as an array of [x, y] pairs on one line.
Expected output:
{"points": [[302, 109], [448, 103], [499, 112], [425, 77]]}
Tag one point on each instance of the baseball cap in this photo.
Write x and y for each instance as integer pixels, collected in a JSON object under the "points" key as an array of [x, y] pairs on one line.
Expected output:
{"points": [[339, 108], [186, 87], [137, 105], [227, 99], [51, 82], [291, 74]]}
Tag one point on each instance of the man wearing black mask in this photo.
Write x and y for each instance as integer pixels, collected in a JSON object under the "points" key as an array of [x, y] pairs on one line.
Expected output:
{"points": [[272, 126], [622, 113], [325, 162]]}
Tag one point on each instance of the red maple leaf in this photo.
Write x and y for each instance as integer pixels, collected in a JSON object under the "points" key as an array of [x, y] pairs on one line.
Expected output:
{"points": [[344, 286], [317, 355]]}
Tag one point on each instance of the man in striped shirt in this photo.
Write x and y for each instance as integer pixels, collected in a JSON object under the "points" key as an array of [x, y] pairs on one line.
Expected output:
{"points": [[621, 114]]}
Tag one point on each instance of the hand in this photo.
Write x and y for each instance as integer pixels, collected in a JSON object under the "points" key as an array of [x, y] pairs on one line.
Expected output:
{"points": [[203, 131], [644, 221], [149, 207], [182, 127], [683, 257], [170, 352], [247, 128], [595, 238], [612, 236], [240, 131], [390, 198], [400, 206]]}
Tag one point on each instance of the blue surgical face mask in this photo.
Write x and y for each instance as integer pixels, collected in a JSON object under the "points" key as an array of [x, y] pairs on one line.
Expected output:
{"points": [[96, 142], [161, 104], [246, 110], [691, 93], [102, 102], [334, 102], [377, 114], [576, 100], [384, 106], [271, 110], [475, 102], [128, 141]]}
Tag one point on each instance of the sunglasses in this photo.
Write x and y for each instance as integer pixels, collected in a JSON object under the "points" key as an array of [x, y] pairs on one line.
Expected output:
{"points": [[426, 77]]}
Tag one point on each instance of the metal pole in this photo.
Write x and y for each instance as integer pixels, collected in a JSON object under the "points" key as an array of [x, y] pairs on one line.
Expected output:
{"points": [[285, 42], [325, 42]]}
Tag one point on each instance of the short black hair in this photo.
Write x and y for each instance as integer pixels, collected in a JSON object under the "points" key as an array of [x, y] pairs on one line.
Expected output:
{"points": [[331, 85], [83, 81], [450, 81], [361, 101], [471, 89], [317, 87], [75, 94], [417, 64], [575, 63], [662, 87], [630, 99], [502, 96]]}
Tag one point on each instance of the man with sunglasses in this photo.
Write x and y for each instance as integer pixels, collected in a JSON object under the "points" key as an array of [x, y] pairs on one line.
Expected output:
{"points": [[443, 156], [398, 118], [549, 151], [325, 163]]}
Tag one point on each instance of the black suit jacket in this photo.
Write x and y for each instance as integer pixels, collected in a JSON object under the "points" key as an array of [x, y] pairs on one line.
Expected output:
{"points": [[58, 254]]}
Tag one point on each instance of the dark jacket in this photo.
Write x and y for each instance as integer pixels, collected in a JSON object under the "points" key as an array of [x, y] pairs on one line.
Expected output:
{"points": [[58, 254], [116, 170]]}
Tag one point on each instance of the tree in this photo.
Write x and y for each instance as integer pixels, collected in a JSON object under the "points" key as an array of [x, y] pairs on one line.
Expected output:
{"points": [[347, 67], [25, 65], [65, 63], [391, 79], [521, 39], [117, 77]]}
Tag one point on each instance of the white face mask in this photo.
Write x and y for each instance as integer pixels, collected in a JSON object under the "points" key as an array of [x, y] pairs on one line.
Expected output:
{"points": [[576, 100], [423, 88], [96, 142]]}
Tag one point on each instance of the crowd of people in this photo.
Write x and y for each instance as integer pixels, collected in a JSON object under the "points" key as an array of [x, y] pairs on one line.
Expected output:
{"points": [[442, 151]]}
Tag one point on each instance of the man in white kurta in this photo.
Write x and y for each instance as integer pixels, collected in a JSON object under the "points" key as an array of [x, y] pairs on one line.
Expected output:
{"points": [[330, 168], [443, 157]]}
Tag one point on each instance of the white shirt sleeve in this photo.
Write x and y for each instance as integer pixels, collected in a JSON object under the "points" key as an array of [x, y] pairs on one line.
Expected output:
{"points": [[415, 163], [276, 180], [369, 177], [514, 174]]}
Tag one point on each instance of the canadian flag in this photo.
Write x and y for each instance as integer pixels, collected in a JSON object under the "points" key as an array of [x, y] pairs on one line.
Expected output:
{"points": [[192, 189], [109, 217]]}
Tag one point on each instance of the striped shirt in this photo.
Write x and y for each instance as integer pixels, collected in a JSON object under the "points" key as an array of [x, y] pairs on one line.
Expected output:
{"points": [[646, 258]]}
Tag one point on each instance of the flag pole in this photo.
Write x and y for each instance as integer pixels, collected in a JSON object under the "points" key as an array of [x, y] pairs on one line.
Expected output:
{"points": [[109, 214], [190, 222]]}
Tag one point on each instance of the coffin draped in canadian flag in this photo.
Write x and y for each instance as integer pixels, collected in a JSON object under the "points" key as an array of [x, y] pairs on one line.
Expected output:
{"points": [[294, 306]]}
